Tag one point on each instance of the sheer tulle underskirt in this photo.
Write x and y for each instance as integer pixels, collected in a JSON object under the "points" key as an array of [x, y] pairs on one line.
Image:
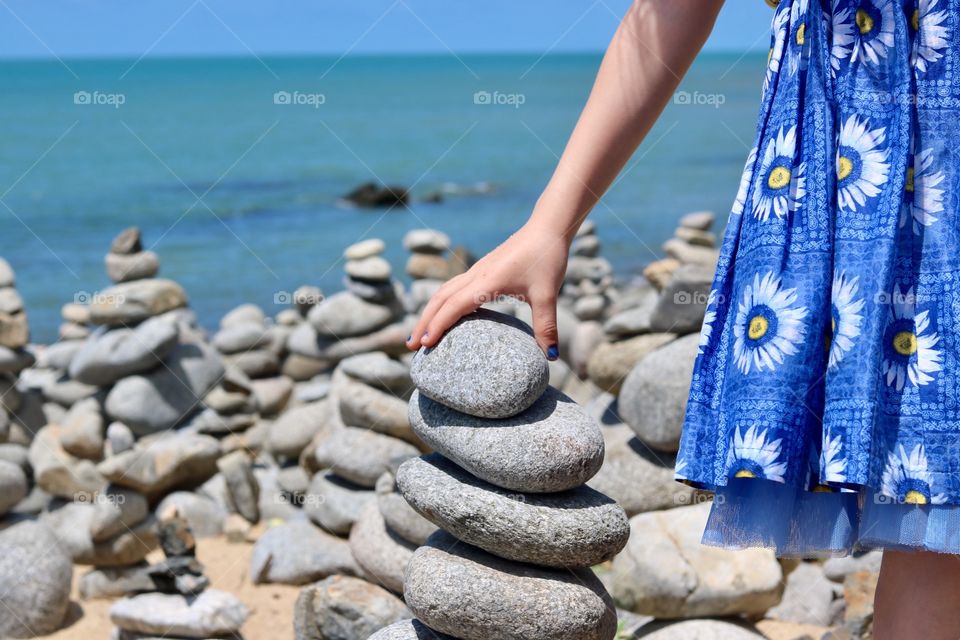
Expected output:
{"points": [[750, 512]]}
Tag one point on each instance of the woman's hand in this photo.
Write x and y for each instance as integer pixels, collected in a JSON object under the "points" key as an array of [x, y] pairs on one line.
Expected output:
{"points": [[529, 266]]}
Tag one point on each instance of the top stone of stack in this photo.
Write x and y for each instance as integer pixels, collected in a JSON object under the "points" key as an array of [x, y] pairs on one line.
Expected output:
{"points": [[127, 260], [487, 365]]}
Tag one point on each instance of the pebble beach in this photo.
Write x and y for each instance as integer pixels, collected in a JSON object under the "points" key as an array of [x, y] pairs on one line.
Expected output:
{"points": [[300, 474]]}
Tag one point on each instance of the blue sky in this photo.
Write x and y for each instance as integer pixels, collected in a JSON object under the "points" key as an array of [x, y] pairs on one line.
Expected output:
{"points": [[70, 28]]}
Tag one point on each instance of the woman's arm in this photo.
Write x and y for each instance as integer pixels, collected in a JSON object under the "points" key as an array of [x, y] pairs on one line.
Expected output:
{"points": [[649, 54]]}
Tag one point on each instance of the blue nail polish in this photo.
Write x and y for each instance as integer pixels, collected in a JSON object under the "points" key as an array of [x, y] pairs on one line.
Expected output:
{"points": [[553, 352], [408, 338]]}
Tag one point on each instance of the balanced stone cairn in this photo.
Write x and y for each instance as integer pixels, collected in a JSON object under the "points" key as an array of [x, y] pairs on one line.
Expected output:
{"points": [[127, 259], [519, 530]]}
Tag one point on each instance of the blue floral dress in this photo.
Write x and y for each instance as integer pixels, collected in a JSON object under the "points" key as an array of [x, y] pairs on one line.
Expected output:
{"points": [[824, 409]]}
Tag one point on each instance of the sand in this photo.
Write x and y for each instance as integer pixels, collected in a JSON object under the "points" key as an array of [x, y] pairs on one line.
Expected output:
{"points": [[226, 564]]}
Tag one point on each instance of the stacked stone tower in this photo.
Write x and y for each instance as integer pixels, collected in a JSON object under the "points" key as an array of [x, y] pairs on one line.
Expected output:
{"points": [[519, 530]]}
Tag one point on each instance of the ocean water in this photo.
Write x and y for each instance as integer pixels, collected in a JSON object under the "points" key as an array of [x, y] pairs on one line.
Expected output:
{"points": [[233, 167]]}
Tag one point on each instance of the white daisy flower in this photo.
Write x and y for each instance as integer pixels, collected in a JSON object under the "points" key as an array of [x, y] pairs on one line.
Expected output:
{"points": [[779, 185], [845, 315], [741, 201], [932, 36], [751, 456], [833, 466], [781, 23], [924, 197], [679, 469], [910, 352], [798, 18], [875, 26], [707, 328], [842, 27], [862, 167], [768, 327], [907, 479]]}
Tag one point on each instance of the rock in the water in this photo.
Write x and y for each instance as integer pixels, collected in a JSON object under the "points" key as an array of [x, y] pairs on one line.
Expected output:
{"points": [[344, 315], [380, 552], [13, 485], [128, 303], [486, 365], [552, 446], [177, 459], [298, 553], [409, 630], [133, 266], [108, 356], [360, 455], [212, 613], [163, 398], [665, 572], [458, 589], [611, 362], [370, 194], [653, 399], [399, 515], [575, 528], [36, 574], [345, 608], [334, 503]]}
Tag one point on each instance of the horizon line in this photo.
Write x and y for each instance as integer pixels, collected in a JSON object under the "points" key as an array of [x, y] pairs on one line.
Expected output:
{"points": [[330, 54]]}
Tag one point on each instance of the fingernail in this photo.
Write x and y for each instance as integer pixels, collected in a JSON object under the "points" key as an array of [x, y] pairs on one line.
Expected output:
{"points": [[553, 352], [409, 338]]}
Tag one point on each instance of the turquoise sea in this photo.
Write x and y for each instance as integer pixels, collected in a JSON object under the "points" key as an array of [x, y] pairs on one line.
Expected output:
{"points": [[232, 167]]}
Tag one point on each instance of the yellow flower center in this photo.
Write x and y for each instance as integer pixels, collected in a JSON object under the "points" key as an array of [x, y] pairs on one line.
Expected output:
{"points": [[914, 497], [758, 327], [864, 21], [773, 3], [801, 31], [778, 178], [905, 343], [744, 473], [822, 488], [915, 20], [909, 186], [844, 167]]}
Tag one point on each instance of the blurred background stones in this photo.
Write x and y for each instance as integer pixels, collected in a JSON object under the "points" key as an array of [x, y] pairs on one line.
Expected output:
{"points": [[281, 474]]}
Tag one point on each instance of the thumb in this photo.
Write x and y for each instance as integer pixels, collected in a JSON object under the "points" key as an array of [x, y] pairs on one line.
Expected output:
{"points": [[544, 310]]}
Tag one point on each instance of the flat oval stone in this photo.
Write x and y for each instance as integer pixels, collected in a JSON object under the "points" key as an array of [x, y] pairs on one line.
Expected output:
{"points": [[487, 365], [552, 446], [458, 589], [409, 630], [576, 528]]}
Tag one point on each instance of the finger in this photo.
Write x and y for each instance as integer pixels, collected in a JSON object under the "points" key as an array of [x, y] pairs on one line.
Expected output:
{"points": [[544, 308], [436, 301], [456, 306]]}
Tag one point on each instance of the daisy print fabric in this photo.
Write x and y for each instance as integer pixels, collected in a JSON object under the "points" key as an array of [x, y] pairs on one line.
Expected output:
{"points": [[824, 409]]}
